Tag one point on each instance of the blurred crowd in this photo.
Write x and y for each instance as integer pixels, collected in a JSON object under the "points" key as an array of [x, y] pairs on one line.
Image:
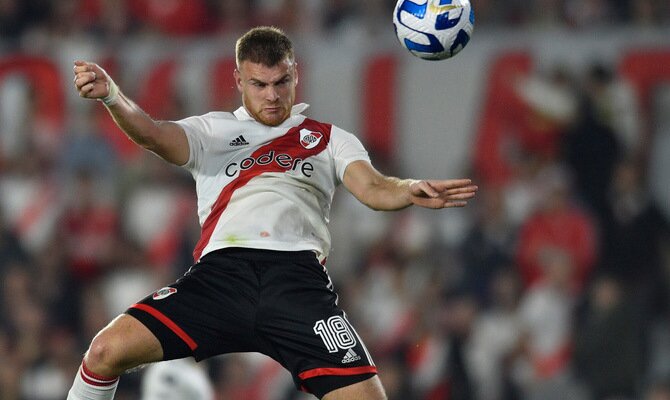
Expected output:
{"points": [[553, 284], [23, 21]]}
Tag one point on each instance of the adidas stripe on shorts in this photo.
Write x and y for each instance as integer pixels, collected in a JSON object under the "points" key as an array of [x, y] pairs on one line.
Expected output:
{"points": [[274, 302]]}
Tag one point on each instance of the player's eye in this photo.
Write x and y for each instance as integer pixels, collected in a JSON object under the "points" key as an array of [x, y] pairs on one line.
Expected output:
{"points": [[284, 81]]}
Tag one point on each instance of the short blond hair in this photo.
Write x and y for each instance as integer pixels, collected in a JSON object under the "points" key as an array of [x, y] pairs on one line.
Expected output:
{"points": [[265, 45]]}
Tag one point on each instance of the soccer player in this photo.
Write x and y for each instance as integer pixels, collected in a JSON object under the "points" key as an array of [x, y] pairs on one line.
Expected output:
{"points": [[265, 176]]}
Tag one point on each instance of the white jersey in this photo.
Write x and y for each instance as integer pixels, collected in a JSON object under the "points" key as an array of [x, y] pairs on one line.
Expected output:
{"points": [[266, 187]]}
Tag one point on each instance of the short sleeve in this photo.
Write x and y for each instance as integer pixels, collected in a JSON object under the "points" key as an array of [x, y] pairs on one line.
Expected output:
{"points": [[196, 129], [345, 149]]}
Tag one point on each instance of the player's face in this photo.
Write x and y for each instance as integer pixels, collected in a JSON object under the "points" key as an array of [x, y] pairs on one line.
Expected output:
{"points": [[268, 93]]}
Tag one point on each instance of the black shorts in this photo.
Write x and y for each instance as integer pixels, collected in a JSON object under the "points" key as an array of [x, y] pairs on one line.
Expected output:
{"points": [[277, 303]]}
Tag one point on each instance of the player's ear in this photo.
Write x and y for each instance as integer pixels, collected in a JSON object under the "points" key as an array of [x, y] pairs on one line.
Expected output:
{"points": [[238, 79], [295, 74]]}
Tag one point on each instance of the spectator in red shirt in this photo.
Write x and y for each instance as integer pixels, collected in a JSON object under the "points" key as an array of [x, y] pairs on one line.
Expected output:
{"points": [[89, 228], [560, 225], [173, 17]]}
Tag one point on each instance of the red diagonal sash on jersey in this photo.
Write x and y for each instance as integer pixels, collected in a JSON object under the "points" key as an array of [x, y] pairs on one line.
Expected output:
{"points": [[288, 144]]}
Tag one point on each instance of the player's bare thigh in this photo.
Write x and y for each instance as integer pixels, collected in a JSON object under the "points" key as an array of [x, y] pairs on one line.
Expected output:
{"points": [[123, 344], [369, 389]]}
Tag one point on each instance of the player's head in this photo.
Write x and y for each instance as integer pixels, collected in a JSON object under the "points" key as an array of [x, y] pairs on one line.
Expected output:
{"points": [[266, 74]]}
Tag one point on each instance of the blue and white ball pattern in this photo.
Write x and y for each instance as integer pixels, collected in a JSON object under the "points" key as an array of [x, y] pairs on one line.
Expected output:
{"points": [[433, 29]]}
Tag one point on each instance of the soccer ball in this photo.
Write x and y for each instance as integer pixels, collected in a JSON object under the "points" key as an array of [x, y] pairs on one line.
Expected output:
{"points": [[433, 29]]}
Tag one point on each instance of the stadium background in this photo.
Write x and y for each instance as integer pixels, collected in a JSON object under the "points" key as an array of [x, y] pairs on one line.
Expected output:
{"points": [[553, 284]]}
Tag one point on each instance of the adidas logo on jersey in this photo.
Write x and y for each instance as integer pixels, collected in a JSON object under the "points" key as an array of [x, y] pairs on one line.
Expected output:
{"points": [[350, 357], [239, 141]]}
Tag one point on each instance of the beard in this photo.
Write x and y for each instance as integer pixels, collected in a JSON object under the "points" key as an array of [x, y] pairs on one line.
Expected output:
{"points": [[270, 114]]}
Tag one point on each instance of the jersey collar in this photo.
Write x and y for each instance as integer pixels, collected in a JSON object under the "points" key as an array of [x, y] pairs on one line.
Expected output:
{"points": [[243, 115]]}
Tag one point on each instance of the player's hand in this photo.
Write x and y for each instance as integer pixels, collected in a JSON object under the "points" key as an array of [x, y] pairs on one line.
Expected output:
{"points": [[91, 81], [442, 193]]}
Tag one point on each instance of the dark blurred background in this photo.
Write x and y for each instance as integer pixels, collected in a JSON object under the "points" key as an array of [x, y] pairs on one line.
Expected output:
{"points": [[552, 284]]}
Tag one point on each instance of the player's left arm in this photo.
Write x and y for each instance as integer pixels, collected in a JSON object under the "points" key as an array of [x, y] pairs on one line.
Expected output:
{"points": [[386, 193]]}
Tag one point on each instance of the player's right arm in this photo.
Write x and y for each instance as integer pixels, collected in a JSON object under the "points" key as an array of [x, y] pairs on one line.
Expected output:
{"points": [[166, 139]]}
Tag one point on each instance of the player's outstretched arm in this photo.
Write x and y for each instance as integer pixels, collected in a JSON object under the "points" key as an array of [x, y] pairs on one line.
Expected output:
{"points": [[164, 138], [386, 193]]}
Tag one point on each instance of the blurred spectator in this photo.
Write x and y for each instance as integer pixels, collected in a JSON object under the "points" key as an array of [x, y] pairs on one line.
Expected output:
{"points": [[173, 17], [492, 13], [585, 14], [56, 287], [439, 353], [424, 354], [93, 311], [14, 98], [648, 12], [289, 14], [488, 246], [608, 343], [545, 13], [523, 194], [616, 107], [17, 16], [25, 319], [375, 15], [591, 151], [10, 247], [383, 295], [633, 232], [606, 131], [394, 378], [11, 18], [89, 227], [10, 375], [16, 289], [495, 338], [337, 13], [85, 150], [107, 19], [64, 18], [558, 226], [233, 16], [48, 378], [542, 370], [461, 314], [657, 354], [659, 162]]}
